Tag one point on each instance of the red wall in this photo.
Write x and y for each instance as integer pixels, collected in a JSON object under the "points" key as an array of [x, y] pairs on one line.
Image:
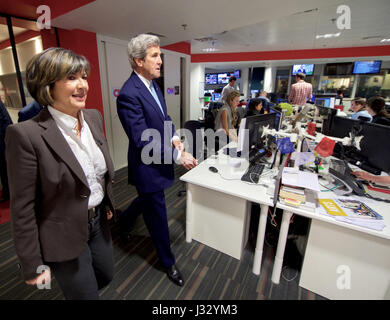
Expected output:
{"points": [[293, 54], [182, 47]]}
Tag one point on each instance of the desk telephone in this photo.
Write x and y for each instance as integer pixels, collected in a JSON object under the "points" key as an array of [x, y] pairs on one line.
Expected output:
{"points": [[340, 170]]}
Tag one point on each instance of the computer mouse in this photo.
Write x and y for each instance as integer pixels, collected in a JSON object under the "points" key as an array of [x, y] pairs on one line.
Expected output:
{"points": [[213, 169]]}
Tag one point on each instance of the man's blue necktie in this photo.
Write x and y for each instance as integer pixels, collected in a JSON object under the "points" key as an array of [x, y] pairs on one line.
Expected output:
{"points": [[154, 94]]}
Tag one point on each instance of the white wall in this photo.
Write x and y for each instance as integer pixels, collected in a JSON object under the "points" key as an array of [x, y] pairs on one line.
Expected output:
{"points": [[197, 80], [172, 79]]}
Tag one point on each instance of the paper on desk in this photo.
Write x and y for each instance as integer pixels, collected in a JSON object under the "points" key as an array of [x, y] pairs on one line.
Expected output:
{"points": [[361, 215], [302, 158], [303, 179]]}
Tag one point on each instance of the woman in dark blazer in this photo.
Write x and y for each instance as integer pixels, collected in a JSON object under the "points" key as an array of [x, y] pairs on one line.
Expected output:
{"points": [[60, 176]]}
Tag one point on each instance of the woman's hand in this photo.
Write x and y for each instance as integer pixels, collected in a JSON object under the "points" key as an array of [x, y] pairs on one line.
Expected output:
{"points": [[363, 175], [43, 278], [109, 214]]}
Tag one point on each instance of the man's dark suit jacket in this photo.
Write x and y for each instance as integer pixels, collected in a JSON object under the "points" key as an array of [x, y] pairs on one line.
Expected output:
{"points": [[138, 111], [29, 111], [49, 191], [5, 121]]}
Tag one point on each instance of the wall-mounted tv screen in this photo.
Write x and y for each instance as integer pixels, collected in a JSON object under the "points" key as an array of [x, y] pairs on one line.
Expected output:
{"points": [[307, 69], [223, 78], [237, 73], [367, 67], [335, 69], [211, 78]]}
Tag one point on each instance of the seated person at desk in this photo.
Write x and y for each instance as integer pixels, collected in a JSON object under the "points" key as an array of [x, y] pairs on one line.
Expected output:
{"points": [[371, 178], [358, 106], [340, 96], [255, 107], [376, 108], [226, 119]]}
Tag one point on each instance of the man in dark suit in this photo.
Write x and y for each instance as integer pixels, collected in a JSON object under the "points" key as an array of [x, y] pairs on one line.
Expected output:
{"points": [[143, 112], [29, 111], [5, 121]]}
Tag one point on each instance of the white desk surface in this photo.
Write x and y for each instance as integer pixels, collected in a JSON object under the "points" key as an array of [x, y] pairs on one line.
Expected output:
{"points": [[203, 177], [381, 207]]}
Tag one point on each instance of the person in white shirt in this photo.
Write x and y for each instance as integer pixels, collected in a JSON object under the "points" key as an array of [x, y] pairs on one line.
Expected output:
{"points": [[358, 106], [60, 176], [229, 88]]}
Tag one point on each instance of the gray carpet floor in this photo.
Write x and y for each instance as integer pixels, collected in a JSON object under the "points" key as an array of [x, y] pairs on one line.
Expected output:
{"points": [[209, 274]]}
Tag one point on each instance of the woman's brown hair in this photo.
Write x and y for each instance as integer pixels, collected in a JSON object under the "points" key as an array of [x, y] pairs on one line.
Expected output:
{"points": [[49, 66]]}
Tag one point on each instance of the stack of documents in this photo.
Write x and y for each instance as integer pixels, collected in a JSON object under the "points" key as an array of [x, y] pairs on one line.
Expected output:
{"points": [[299, 188], [351, 210], [297, 178]]}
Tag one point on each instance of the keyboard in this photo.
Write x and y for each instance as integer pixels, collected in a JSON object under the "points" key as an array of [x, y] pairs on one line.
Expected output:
{"points": [[253, 173]]}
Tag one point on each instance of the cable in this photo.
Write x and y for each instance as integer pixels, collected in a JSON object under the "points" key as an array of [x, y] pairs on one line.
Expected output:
{"points": [[327, 189], [273, 222], [377, 199]]}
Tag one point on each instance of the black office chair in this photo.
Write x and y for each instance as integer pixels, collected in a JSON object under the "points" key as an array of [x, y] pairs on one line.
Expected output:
{"points": [[194, 142], [367, 119]]}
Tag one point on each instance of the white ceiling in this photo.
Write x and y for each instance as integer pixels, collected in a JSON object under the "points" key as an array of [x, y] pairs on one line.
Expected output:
{"points": [[369, 19], [123, 19], [238, 26]]}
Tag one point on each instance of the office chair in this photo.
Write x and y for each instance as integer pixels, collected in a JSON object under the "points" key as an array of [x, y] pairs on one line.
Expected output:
{"points": [[196, 146], [367, 119]]}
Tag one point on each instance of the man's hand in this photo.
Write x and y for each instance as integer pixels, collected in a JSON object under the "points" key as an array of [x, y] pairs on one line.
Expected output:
{"points": [[44, 277], [187, 160], [178, 145]]}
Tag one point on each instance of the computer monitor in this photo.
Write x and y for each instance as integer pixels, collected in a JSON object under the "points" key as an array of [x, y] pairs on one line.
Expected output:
{"points": [[216, 96], [255, 125], [341, 126], [278, 118], [252, 136], [326, 116], [328, 102], [375, 145]]}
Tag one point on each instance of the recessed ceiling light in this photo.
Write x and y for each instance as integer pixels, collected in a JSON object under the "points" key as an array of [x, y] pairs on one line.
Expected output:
{"points": [[210, 49], [328, 35]]}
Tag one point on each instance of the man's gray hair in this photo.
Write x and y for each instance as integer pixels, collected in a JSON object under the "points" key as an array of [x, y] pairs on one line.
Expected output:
{"points": [[138, 46]]}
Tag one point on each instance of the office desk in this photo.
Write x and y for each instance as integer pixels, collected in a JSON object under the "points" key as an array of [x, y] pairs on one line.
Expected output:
{"points": [[218, 210], [341, 261]]}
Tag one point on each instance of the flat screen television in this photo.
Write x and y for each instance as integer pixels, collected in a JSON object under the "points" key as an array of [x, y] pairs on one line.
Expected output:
{"points": [[223, 78], [237, 73], [307, 69], [336, 69], [367, 67], [211, 78]]}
